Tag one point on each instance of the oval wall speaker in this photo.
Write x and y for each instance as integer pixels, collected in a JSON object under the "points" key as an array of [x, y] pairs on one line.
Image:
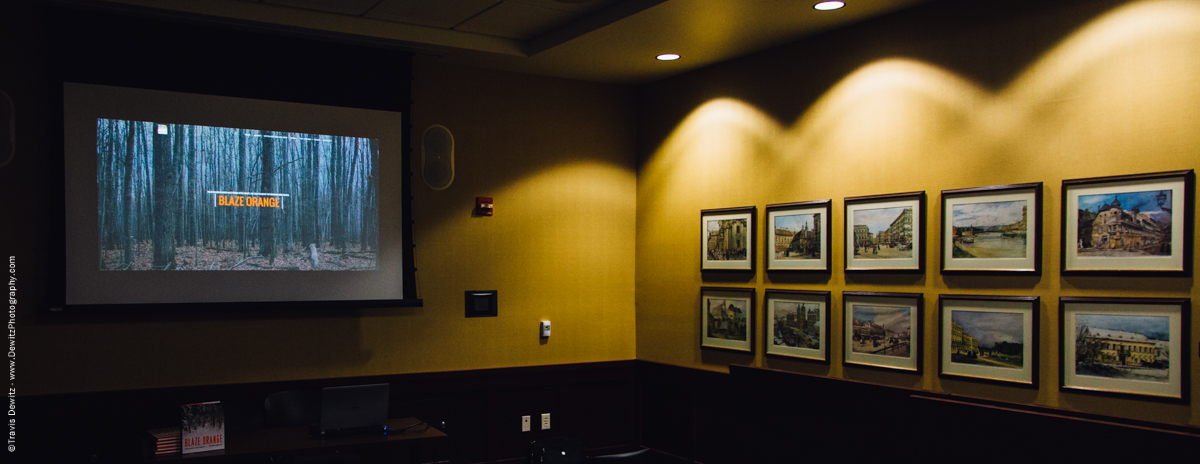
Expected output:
{"points": [[437, 157], [8, 129]]}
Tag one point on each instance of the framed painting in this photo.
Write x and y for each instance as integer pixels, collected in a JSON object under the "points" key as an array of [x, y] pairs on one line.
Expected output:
{"points": [[728, 315], [1135, 224], [883, 330], [996, 229], [989, 338], [727, 238], [1135, 346], [886, 232], [796, 236], [797, 324]]}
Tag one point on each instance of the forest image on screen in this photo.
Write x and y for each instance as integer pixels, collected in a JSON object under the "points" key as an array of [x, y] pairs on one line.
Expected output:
{"points": [[201, 198]]}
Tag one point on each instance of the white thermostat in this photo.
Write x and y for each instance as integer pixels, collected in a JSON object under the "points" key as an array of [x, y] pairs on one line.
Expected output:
{"points": [[545, 329]]}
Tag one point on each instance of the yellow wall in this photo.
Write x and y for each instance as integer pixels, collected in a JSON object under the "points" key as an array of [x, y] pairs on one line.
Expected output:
{"points": [[949, 95], [557, 156]]}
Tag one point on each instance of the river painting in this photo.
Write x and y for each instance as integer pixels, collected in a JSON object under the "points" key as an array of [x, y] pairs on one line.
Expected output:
{"points": [[990, 230]]}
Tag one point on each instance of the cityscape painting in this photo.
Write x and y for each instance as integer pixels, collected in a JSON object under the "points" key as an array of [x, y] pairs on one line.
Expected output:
{"points": [[989, 337], [728, 317], [1125, 345], [797, 323], [727, 238], [881, 329], [885, 232], [1133, 223], [797, 236]]}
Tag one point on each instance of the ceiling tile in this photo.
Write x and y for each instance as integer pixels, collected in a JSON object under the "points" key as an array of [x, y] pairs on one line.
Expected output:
{"points": [[517, 21], [573, 6], [346, 7], [614, 44], [434, 13]]}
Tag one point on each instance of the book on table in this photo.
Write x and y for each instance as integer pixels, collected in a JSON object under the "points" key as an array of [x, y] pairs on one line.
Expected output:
{"points": [[203, 427], [165, 440]]}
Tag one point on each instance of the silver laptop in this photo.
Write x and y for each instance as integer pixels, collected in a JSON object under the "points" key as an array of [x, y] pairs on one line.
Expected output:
{"points": [[353, 409]]}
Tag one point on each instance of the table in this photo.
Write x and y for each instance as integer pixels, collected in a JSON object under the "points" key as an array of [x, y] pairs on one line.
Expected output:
{"points": [[283, 441]]}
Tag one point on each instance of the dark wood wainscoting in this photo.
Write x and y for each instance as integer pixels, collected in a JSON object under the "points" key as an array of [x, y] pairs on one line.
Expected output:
{"points": [[480, 410], [690, 414], [818, 418], [683, 415]]}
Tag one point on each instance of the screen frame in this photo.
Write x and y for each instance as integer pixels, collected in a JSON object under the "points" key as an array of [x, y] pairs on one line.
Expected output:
{"points": [[278, 68], [86, 284]]}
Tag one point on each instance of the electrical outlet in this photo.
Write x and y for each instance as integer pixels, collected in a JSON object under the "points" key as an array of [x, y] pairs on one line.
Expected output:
{"points": [[546, 421], [524, 423]]}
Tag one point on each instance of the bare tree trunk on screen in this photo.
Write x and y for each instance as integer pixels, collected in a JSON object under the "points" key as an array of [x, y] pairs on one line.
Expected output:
{"points": [[266, 216], [165, 190], [337, 231], [241, 187], [127, 190], [308, 192]]}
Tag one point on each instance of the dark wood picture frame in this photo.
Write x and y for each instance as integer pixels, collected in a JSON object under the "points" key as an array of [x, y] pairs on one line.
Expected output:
{"points": [[710, 326], [822, 242], [915, 241], [992, 370], [914, 302], [720, 239], [1030, 225], [1121, 366], [821, 354], [1128, 233]]}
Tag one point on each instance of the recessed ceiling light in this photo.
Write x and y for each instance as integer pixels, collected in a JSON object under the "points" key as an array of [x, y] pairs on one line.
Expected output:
{"points": [[826, 6], [668, 57]]}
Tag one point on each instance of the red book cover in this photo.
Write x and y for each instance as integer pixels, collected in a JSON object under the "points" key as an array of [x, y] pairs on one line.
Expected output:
{"points": [[203, 427]]}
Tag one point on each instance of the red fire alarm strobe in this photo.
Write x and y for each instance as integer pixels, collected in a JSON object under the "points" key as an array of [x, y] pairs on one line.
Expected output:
{"points": [[483, 206]]}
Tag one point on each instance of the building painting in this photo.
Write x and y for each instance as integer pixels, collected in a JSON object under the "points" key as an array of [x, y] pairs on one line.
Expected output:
{"points": [[728, 241], [1115, 229], [1018, 228], [1122, 348], [783, 239], [900, 232], [726, 320], [862, 237], [801, 243], [961, 342]]}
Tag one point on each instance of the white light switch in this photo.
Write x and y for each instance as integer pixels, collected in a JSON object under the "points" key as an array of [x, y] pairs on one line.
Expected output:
{"points": [[545, 329]]}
